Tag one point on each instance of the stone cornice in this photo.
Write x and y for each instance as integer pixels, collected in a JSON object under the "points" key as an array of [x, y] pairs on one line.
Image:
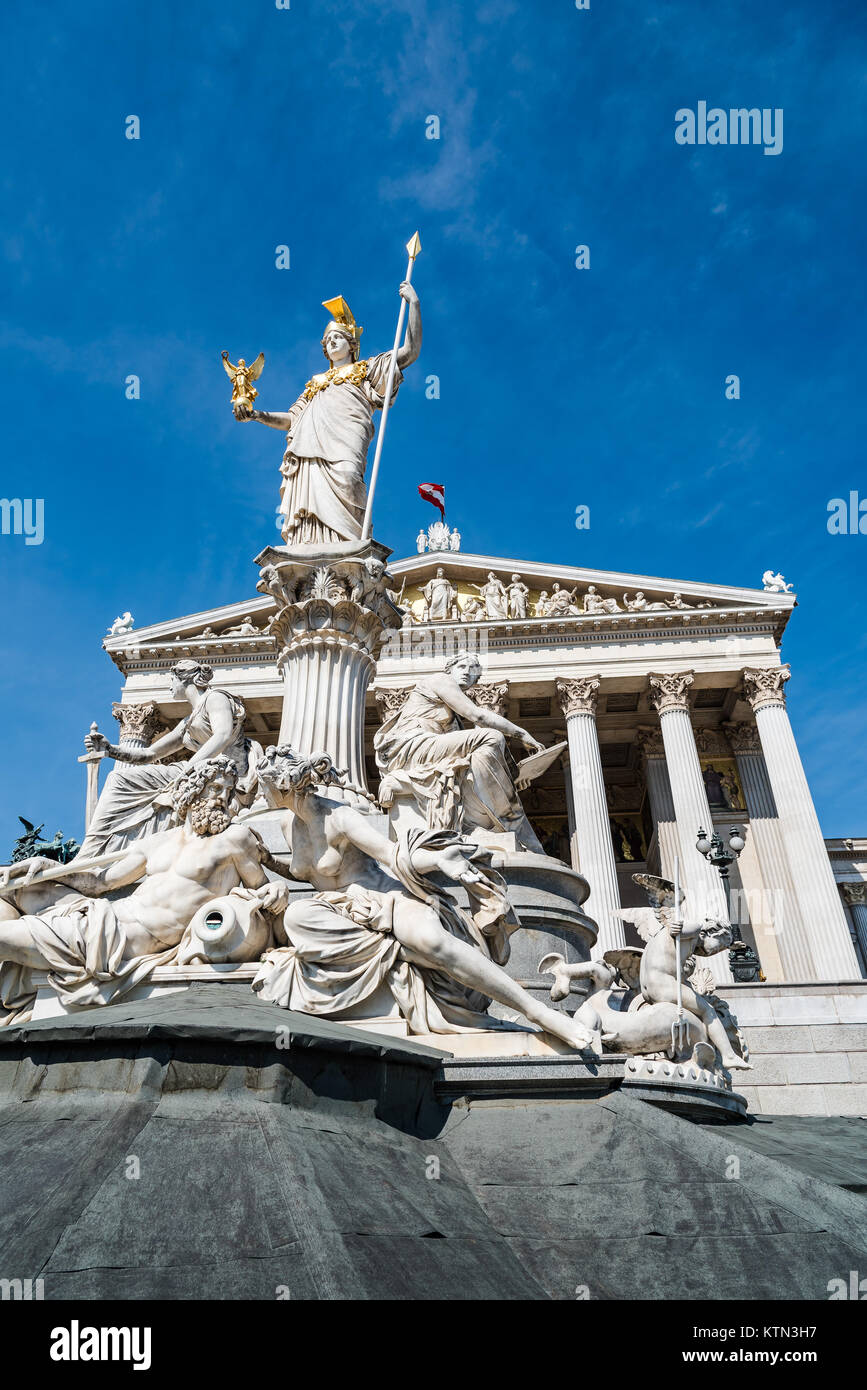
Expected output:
{"points": [[168, 641]]}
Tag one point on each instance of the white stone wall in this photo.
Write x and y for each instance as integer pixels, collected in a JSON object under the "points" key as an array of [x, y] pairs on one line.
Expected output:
{"points": [[808, 1045]]}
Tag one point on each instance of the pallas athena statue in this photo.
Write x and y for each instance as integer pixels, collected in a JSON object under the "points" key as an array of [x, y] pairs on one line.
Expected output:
{"points": [[330, 427]]}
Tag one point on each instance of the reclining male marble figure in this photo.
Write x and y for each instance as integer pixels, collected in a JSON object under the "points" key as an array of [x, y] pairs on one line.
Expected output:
{"points": [[378, 918], [458, 776], [95, 951]]}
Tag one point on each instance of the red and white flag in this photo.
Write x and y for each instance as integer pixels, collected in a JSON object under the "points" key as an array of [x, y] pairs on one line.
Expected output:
{"points": [[434, 493]]}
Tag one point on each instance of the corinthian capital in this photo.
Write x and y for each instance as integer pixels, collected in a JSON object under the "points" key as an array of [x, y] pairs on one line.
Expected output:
{"points": [[744, 738], [649, 740], [766, 687], [139, 724], [855, 894], [390, 701], [578, 696], [671, 692], [495, 697]]}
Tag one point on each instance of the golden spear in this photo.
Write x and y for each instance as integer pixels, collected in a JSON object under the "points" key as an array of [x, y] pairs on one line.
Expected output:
{"points": [[413, 246]]}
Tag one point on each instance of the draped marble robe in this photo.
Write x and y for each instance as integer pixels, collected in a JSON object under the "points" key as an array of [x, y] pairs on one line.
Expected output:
{"points": [[342, 948], [459, 777], [323, 496]]}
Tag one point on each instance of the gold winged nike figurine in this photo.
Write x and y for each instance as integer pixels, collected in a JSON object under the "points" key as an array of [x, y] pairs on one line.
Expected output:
{"points": [[242, 377]]}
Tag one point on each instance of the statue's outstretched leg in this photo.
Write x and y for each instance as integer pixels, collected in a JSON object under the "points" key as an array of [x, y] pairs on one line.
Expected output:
{"points": [[426, 942]]}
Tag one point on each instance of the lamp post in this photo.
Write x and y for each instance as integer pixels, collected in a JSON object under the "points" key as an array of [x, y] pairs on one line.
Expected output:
{"points": [[716, 853], [743, 960]]}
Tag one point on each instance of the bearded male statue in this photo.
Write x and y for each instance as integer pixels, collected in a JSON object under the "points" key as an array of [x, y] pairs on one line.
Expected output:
{"points": [[96, 951]]}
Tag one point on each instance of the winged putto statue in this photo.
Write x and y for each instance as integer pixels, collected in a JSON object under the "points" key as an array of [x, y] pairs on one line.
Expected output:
{"points": [[632, 1002]]}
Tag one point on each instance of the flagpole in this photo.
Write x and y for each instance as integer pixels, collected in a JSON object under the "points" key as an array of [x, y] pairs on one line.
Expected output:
{"points": [[413, 247]]}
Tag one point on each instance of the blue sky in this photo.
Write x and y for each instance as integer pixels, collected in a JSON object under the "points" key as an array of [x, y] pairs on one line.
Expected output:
{"points": [[306, 127]]}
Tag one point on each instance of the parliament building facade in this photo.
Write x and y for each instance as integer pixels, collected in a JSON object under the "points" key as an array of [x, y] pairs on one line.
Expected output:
{"points": [[670, 699]]}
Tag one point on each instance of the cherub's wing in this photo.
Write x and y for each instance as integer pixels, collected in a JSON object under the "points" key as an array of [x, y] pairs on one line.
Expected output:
{"points": [[660, 891], [230, 370], [28, 825], [643, 919], [627, 962], [255, 370]]}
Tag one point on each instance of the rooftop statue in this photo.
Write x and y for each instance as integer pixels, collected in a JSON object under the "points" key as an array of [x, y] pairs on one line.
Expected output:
{"points": [[330, 426], [121, 625], [775, 583], [31, 844]]}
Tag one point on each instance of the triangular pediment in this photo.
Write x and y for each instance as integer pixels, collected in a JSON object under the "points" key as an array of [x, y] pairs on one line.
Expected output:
{"points": [[571, 592], [556, 594]]}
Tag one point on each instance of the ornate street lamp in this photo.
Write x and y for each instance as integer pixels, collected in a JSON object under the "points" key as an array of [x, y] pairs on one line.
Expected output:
{"points": [[716, 853], [743, 960]]}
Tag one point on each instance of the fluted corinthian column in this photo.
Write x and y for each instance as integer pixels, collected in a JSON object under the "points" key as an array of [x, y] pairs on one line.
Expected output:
{"points": [[705, 895], [809, 865], [856, 897], [781, 907], [593, 832], [333, 615], [661, 803]]}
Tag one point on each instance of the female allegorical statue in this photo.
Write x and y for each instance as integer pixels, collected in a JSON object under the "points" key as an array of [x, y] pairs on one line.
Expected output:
{"points": [[377, 918], [135, 800], [329, 429], [458, 776]]}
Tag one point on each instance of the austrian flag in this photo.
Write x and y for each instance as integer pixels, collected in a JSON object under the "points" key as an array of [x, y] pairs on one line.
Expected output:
{"points": [[435, 493]]}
